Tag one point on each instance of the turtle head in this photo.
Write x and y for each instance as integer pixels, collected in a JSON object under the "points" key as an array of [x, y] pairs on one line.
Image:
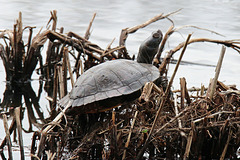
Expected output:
{"points": [[149, 47]]}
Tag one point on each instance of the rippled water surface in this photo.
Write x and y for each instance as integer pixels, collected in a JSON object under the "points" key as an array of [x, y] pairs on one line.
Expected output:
{"points": [[222, 16]]}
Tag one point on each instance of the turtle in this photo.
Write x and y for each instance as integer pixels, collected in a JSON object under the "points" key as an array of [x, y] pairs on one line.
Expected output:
{"points": [[115, 82]]}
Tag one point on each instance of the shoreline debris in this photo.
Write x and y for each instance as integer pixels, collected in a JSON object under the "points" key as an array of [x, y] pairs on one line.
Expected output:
{"points": [[190, 124]]}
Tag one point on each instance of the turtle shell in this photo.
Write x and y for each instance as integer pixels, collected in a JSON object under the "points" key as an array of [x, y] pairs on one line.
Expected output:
{"points": [[108, 80]]}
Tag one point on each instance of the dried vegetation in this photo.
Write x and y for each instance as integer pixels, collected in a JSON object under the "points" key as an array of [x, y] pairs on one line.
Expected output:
{"points": [[196, 123]]}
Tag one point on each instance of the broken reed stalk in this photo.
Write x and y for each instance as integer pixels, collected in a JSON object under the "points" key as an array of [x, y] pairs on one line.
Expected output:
{"points": [[184, 92], [54, 27], [188, 146], [61, 82], [87, 34], [109, 51], [204, 117], [154, 19], [178, 119], [227, 43], [18, 47], [8, 139], [165, 96], [55, 88], [226, 145], [35, 137], [48, 128], [19, 65], [113, 144], [80, 44], [29, 39], [17, 113], [182, 87], [126, 31], [217, 72], [202, 89], [68, 65], [193, 89], [79, 68], [64, 71], [147, 90], [173, 119], [11, 129], [129, 135]]}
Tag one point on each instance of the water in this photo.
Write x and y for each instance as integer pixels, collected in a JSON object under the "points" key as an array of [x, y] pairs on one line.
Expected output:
{"points": [[222, 16]]}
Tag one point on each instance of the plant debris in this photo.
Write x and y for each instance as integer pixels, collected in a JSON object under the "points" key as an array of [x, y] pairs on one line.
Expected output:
{"points": [[196, 123]]}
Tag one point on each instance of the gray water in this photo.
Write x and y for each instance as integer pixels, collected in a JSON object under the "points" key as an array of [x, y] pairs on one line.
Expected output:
{"points": [[222, 16]]}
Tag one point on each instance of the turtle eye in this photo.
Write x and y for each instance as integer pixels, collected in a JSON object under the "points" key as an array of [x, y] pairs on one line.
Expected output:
{"points": [[156, 35]]}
